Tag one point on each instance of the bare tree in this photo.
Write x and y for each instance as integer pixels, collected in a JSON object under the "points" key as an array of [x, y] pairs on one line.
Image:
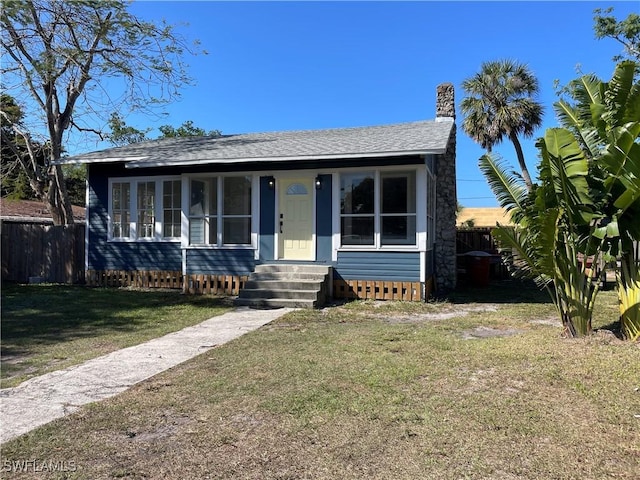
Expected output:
{"points": [[76, 63]]}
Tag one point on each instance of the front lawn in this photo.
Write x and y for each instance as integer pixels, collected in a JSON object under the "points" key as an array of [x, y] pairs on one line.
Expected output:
{"points": [[477, 388], [49, 327]]}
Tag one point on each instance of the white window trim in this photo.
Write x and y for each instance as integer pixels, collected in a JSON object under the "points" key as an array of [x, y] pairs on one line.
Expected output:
{"points": [[110, 213], [377, 246], [219, 245], [160, 224], [133, 209]]}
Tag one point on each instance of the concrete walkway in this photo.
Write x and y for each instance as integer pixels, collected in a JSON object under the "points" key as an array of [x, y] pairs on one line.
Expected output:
{"points": [[40, 400]]}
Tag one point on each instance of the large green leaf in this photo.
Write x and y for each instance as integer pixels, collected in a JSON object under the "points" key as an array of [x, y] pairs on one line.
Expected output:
{"points": [[610, 230], [564, 169], [633, 104], [571, 119], [621, 162], [618, 93], [586, 90]]}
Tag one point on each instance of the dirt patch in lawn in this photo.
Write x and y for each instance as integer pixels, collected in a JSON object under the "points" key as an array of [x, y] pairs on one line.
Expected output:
{"points": [[453, 312], [489, 332]]}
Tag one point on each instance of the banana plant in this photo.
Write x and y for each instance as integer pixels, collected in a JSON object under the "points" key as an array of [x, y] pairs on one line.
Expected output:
{"points": [[586, 203], [547, 242], [605, 118]]}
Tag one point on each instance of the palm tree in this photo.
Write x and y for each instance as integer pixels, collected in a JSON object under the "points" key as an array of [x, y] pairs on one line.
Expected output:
{"points": [[501, 103]]}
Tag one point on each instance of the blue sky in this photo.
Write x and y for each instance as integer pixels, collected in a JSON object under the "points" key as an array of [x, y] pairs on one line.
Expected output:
{"points": [[308, 65]]}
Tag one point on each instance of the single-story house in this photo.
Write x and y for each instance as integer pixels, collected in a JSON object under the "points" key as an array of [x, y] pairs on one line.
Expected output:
{"points": [[376, 205], [32, 211]]}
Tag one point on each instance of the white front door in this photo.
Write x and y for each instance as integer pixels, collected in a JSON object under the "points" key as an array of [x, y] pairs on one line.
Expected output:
{"points": [[296, 219]]}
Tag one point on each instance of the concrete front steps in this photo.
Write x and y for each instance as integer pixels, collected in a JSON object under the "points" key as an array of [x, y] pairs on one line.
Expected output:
{"points": [[286, 285]]}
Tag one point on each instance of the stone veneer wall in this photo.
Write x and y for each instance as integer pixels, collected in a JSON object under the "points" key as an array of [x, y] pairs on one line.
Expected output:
{"points": [[446, 198]]}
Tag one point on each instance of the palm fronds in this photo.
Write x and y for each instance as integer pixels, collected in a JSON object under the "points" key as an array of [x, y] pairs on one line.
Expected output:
{"points": [[508, 187]]}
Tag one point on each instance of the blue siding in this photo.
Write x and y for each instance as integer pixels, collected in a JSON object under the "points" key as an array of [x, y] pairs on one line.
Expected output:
{"points": [[267, 220], [400, 266], [323, 220], [220, 261], [97, 208], [98, 259], [136, 256]]}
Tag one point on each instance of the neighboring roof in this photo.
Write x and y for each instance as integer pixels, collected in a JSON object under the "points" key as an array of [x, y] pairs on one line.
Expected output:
{"points": [[33, 211], [483, 217], [426, 137]]}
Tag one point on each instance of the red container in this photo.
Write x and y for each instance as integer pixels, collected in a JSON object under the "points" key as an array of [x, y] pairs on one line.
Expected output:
{"points": [[478, 268]]}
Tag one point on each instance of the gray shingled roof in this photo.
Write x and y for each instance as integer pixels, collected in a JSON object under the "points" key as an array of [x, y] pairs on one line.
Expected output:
{"points": [[426, 137]]}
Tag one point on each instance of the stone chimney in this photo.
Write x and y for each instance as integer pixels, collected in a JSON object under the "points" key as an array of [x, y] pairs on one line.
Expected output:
{"points": [[446, 197], [445, 102]]}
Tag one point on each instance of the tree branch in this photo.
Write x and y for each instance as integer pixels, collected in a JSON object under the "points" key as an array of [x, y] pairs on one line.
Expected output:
{"points": [[30, 169], [18, 43], [85, 129], [73, 91]]}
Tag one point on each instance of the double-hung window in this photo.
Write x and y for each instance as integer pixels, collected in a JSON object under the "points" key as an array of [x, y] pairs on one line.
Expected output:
{"points": [[378, 209], [203, 209], [220, 211], [398, 208], [171, 208], [145, 209], [236, 216], [357, 212], [120, 210]]}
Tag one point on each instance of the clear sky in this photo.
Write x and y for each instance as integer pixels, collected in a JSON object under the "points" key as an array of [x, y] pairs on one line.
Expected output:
{"points": [[309, 65]]}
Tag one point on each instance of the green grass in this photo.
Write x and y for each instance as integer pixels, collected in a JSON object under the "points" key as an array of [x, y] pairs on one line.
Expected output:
{"points": [[49, 327], [374, 390]]}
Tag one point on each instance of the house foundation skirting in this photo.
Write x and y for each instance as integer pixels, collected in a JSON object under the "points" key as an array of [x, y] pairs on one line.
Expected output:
{"points": [[134, 278], [379, 290], [214, 284], [194, 284]]}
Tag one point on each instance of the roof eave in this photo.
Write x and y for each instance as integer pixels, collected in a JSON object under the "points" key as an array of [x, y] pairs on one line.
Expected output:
{"points": [[173, 163], [78, 160]]}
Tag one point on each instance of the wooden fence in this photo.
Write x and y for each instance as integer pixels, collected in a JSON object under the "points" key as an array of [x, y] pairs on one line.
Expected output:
{"points": [[475, 239], [478, 239], [134, 278], [32, 250], [194, 284], [377, 290]]}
